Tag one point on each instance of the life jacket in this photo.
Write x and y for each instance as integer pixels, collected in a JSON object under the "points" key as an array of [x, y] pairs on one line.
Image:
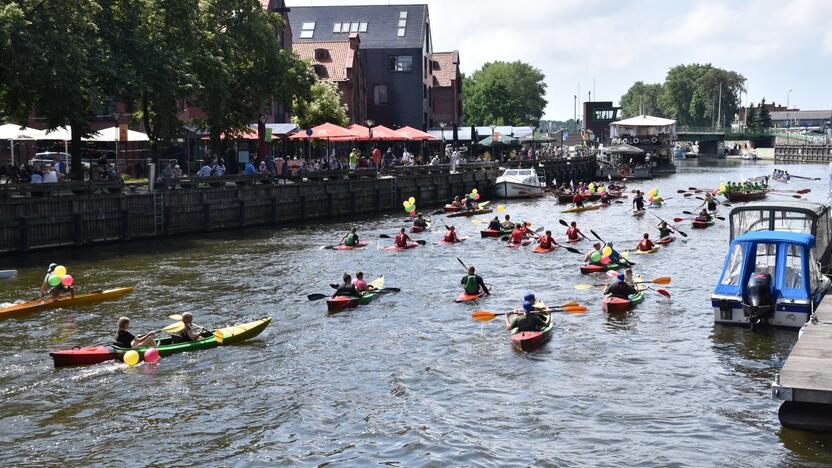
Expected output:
{"points": [[360, 285], [645, 245], [572, 233], [517, 236], [472, 286], [401, 240], [664, 232], [352, 239], [546, 242], [495, 226], [577, 198], [450, 236], [620, 289]]}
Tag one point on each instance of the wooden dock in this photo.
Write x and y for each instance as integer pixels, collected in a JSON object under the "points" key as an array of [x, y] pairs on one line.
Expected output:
{"points": [[804, 384]]}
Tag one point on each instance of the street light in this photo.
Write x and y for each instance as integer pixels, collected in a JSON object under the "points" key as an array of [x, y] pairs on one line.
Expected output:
{"points": [[493, 155], [442, 125]]}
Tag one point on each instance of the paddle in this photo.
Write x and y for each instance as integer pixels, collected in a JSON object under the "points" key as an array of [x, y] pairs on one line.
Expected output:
{"points": [[318, 296], [683, 234], [485, 315], [802, 192], [694, 214], [660, 280], [785, 195], [565, 224], [385, 236], [662, 292], [801, 177]]}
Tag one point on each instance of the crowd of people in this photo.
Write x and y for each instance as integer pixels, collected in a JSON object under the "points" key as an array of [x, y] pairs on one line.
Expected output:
{"points": [[53, 172]]}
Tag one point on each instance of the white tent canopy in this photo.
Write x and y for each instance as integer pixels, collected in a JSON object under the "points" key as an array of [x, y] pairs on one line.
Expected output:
{"points": [[112, 134], [60, 133], [642, 125], [16, 132]]}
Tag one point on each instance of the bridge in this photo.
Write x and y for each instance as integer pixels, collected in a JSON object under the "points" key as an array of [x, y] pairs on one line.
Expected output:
{"points": [[710, 137]]}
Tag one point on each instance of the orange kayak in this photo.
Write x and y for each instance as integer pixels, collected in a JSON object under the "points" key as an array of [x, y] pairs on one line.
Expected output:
{"points": [[38, 305]]}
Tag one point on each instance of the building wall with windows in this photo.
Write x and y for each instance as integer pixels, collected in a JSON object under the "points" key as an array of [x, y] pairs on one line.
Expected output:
{"points": [[598, 115], [447, 88]]}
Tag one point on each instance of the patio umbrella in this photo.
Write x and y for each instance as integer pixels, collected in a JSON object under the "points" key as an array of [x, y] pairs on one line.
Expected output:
{"points": [[414, 134], [324, 131], [500, 139], [112, 134], [14, 132]]}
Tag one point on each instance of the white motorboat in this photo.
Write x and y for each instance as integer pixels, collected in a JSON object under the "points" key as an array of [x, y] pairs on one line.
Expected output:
{"points": [[519, 183]]}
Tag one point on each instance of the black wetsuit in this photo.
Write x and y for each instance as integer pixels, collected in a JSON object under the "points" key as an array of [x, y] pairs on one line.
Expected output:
{"points": [[348, 290], [638, 201], [124, 339], [621, 290], [495, 225]]}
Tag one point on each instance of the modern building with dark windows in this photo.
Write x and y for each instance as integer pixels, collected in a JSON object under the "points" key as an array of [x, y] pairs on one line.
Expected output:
{"points": [[396, 51]]}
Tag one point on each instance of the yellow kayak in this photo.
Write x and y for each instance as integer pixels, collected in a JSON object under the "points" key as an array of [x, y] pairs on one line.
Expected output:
{"points": [[38, 305], [584, 208], [653, 250]]}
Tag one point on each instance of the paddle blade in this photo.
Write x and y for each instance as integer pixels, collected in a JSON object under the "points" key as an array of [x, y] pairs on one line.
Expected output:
{"points": [[582, 287], [662, 280], [684, 234], [563, 223], [596, 235], [664, 293], [383, 236], [804, 191], [421, 242], [390, 290], [678, 220], [571, 249], [174, 327], [483, 315], [176, 317], [218, 336], [687, 212], [681, 191], [569, 304], [316, 297], [575, 310]]}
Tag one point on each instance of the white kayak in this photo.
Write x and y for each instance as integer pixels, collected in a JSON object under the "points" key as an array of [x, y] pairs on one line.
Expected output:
{"points": [[8, 274]]}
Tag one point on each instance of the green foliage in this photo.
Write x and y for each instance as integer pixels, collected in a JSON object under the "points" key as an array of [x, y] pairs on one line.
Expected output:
{"points": [[762, 120], [504, 93], [324, 105], [751, 117], [640, 93], [570, 125], [691, 94]]}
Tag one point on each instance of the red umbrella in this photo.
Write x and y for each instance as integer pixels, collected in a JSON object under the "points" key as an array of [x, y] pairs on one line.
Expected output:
{"points": [[414, 134], [325, 131]]}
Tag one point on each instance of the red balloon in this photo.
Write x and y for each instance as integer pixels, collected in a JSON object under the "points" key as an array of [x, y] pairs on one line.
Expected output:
{"points": [[605, 260]]}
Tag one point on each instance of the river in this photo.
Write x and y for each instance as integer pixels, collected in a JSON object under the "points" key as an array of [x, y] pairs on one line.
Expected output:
{"points": [[411, 379]]}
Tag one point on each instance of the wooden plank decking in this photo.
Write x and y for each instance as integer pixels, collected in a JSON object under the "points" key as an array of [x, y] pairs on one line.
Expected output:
{"points": [[807, 374]]}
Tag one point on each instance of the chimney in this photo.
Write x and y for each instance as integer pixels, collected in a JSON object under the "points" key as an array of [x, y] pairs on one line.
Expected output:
{"points": [[354, 41]]}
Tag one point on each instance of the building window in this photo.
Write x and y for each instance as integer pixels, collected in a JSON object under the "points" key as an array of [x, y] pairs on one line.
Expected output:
{"points": [[362, 27], [400, 33], [307, 30], [400, 63], [403, 15], [336, 28], [380, 94], [353, 27], [403, 23], [321, 54], [320, 70], [424, 91]]}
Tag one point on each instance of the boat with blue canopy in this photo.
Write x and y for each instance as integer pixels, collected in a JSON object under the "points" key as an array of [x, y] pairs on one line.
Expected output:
{"points": [[769, 278]]}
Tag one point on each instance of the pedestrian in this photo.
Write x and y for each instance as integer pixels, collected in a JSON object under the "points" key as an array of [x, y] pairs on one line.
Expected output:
{"points": [[354, 157], [376, 156], [454, 160]]}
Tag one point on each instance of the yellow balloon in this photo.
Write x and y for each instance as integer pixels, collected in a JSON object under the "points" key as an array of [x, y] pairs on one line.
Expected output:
{"points": [[60, 270], [131, 358], [601, 190], [606, 251], [405, 203], [474, 191], [411, 200], [500, 208]]}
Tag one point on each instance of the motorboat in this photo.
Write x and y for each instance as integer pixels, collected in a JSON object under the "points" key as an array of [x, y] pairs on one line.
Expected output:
{"points": [[519, 183], [769, 278]]}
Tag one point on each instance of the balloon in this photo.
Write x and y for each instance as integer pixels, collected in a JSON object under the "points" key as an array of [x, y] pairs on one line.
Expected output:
{"points": [[131, 358], [60, 270], [411, 200], [405, 203], [476, 196], [612, 274], [595, 257], [650, 199], [605, 260], [471, 196], [607, 251], [601, 190], [500, 208], [474, 191], [412, 212], [151, 355], [66, 280], [54, 280]]}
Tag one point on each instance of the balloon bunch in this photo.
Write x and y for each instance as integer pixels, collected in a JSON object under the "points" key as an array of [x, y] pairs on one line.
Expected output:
{"points": [[722, 189], [652, 194], [474, 195], [59, 276], [500, 208], [602, 257], [410, 206], [132, 357]]}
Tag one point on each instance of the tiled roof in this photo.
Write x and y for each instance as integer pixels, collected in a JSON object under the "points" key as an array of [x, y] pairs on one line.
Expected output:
{"points": [[382, 24], [340, 57], [445, 68]]}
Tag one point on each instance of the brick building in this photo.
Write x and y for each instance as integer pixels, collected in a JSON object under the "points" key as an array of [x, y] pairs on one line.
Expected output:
{"points": [[339, 61], [447, 87]]}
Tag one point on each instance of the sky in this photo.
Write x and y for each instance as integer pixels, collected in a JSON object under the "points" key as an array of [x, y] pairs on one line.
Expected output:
{"points": [[604, 46]]}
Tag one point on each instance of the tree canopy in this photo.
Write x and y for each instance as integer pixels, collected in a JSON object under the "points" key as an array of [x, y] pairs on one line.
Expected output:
{"points": [[642, 98], [324, 105], [504, 93]]}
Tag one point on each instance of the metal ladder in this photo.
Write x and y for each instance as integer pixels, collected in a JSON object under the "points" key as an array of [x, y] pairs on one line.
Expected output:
{"points": [[158, 213]]}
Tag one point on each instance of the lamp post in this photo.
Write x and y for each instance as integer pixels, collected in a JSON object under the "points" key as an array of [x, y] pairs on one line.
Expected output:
{"points": [[117, 119], [442, 125], [788, 97], [493, 155]]}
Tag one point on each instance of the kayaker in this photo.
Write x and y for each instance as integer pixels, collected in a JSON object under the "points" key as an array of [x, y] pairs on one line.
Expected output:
{"points": [[615, 256], [45, 287], [596, 247], [347, 288], [578, 200], [664, 230], [457, 203], [638, 201], [508, 225], [450, 235], [360, 284], [402, 239], [620, 288], [55, 291], [646, 244], [187, 333], [494, 225], [704, 217], [472, 282], [420, 221], [526, 319], [605, 199], [546, 241], [572, 232], [351, 238], [470, 204], [710, 203], [125, 339], [518, 235]]}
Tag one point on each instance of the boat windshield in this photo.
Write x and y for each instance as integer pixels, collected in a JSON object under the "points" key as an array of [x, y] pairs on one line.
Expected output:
{"points": [[750, 221], [816, 278], [766, 259], [733, 271], [794, 268], [511, 172]]}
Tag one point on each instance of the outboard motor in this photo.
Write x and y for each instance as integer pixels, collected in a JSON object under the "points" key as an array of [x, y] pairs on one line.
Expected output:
{"points": [[760, 307]]}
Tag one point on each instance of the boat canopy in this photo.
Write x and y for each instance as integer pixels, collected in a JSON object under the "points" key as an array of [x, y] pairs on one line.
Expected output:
{"points": [[787, 256]]}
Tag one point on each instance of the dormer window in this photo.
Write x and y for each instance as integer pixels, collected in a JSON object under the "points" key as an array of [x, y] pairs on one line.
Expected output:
{"points": [[307, 30], [320, 71], [321, 55]]}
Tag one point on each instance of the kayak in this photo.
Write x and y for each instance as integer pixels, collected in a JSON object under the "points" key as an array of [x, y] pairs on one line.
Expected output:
{"points": [[702, 224], [572, 241], [666, 240], [470, 213], [465, 297], [522, 244], [651, 251], [493, 233], [166, 346], [654, 206], [539, 249], [583, 208], [459, 241], [615, 305], [412, 245], [638, 213], [350, 247], [339, 303], [530, 341], [38, 305], [586, 269], [8, 274], [451, 209], [418, 229]]}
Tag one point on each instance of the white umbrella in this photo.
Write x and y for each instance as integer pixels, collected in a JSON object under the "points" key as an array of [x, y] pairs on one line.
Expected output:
{"points": [[14, 132], [60, 133], [112, 134]]}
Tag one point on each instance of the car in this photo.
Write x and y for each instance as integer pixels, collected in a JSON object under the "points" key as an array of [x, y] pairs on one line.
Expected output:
{"points": [[48, 157]]}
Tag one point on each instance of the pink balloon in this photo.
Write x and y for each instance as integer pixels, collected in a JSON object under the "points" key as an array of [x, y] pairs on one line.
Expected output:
{"points": [[66, 280], [151, 355], [477, 197], [413, 213], [612, 273], [650, 199], [605, 260]]}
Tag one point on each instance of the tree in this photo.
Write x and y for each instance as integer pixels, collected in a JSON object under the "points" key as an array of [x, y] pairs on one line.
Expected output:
{"points": [[640, 93], [504, 93], [763, 120], [750, 117], [324, 105], [240, 67], [691, 94]]}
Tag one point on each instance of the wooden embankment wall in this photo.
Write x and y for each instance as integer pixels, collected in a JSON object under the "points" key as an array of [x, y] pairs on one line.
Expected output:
{"points": [[802, 153]]}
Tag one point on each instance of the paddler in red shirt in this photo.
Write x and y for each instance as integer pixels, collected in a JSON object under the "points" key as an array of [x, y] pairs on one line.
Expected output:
{"points": [[402, 239], [518, 235], [578, 200], [450, 235], [645, 244], [546, 241], [573, 233]]}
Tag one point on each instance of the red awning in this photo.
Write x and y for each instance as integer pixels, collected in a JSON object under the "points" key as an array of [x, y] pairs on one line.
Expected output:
{"points": [[325, 131], [414, 134]]}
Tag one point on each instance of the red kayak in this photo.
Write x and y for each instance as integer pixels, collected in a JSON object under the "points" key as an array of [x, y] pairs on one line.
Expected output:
{"points": [[83, 356], [458, 241], [702, 224], [532, 340], [666, 240], [513, 245], [350, 247], [493, 233], [417, 229], [452, 209], [617, 305], [409, 246], [539, 249], [465, 297], [572, 241], [587, 269]]}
